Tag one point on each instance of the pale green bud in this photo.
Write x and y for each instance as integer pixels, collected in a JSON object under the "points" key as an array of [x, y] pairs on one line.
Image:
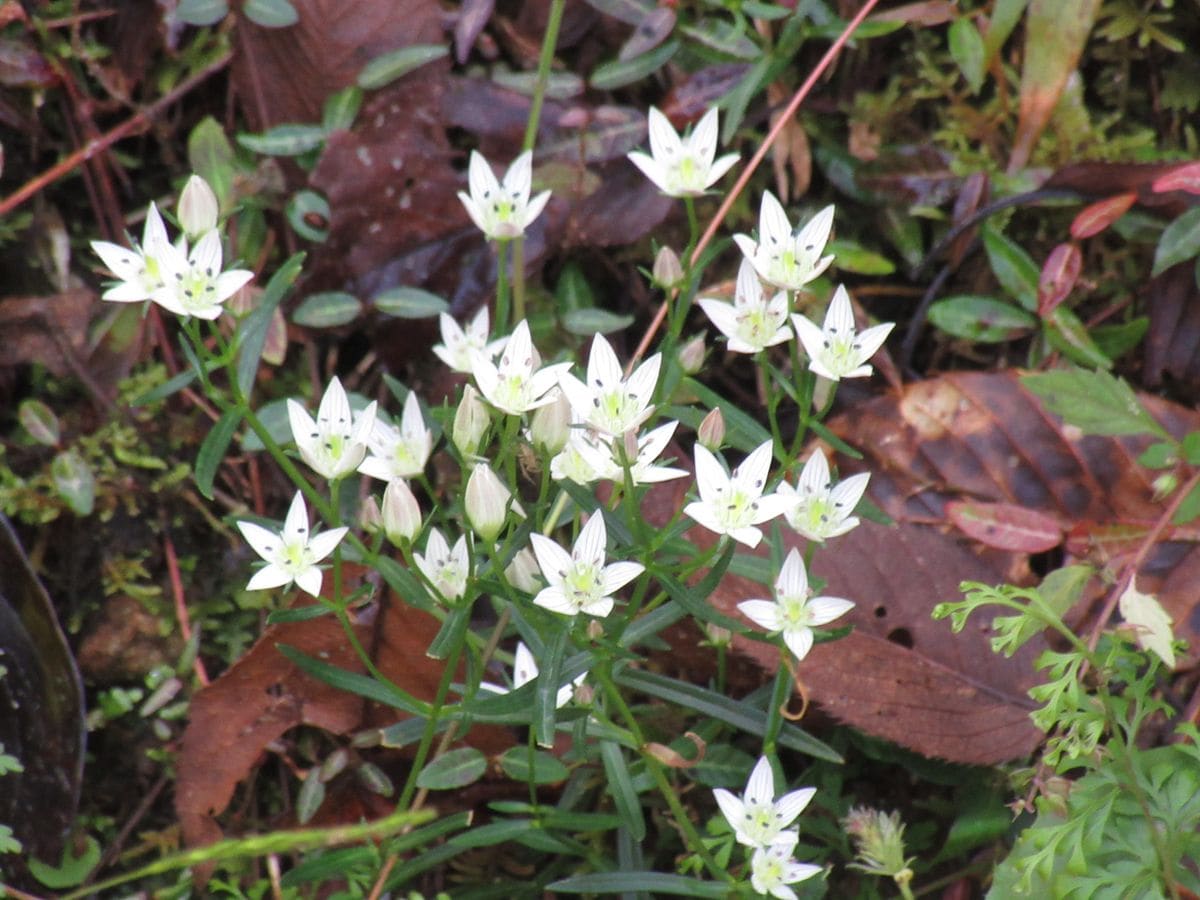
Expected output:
{"points": [[691, 355], [522, 573], [551, 424], [668, 271], [370, 519], [401, 512], [470, 423], [198, 209], [711, 433], [487, 502]]}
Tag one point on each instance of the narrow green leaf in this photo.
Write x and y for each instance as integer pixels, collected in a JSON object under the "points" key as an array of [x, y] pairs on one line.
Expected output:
{"points": [[587, 322], [171, 386], [533, 766], [212, 451], [271, 13], [298, 614], [493, 833], [620, 785], [1114, 341], [1098, 402], [854, 257], [1014, 268], [450, 635], [1005, 16], [1066, 333], [983, 319], [252, 331], [639, 884], [1180, 241], [409, 303], [327, 309], [390, 66], [619, 73], [453, 769], [362, 685], [732, 712], [545, 703], [968, 52], [284, 140]]}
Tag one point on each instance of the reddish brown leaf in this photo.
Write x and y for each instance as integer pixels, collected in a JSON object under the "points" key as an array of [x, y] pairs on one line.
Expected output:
{"points": [[1172, 345], [1058, 277], [46, 330], [1096, 217], [1006, 526], [1185, 178]]}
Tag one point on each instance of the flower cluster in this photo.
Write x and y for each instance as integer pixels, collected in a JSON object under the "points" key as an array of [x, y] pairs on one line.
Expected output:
{"points": [[187, 282]]}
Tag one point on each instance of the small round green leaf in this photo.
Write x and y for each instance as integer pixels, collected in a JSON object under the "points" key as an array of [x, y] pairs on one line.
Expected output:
{"points": [[409, 303], [328, 309], [201, 12], [308, 213], [984, 319], [311, 796], [543, 768], [854, 257], [271, 13], [40, 421], [342, 108], [1180, 241], [74, 482], [454, 769], [587, 322], [390, 66]]}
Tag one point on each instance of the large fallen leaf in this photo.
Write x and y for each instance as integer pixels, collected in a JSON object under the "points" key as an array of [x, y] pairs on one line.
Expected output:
{"points": [[41, 710]]}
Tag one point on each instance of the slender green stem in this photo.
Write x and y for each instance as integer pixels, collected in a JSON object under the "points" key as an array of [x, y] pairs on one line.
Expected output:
{"points": [[501, 325], [518, 280], [654, 767], [779, 696], [560, 503], [545, 59], [410, 784]]}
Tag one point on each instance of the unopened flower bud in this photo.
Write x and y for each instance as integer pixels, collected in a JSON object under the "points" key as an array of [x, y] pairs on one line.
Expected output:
{"points": [[595, 630], [401, 513], [551, 425], [1164, 485], [198, 209], [470, 423], [668, 271], [369, 518], [711, 433], [718, 636], [691, 355], [879, 842], [487, 502], [522, 572]]}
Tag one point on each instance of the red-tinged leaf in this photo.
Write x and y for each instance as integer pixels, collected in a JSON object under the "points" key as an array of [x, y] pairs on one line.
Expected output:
{"points": [[1059, 274], [1096, 217], [1184, 178], [1101, 542], [1006, 526]]}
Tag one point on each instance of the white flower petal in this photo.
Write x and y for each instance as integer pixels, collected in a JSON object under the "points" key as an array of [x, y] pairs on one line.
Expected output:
{"points": [[763, 613], [309, 581], [823, 610], [268, 577]]}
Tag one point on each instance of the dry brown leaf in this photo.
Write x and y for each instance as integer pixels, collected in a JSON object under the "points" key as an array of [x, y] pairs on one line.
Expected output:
{"points": [[45, 329]]}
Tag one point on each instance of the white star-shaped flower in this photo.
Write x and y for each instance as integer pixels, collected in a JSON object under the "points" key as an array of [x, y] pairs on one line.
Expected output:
{"points": [[579, 581], [517, 384], [291, 555], [609, 402], [446, 568], [502, 211], [525, 670], [683, 167], [192, 282], [752, 322], [137, 269], [336, 442], [836, 351], [772, 869], [734, 504], [821, 509], [399, 452], [459, 345], [757, 818], [785, 260], [793, 613]]}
